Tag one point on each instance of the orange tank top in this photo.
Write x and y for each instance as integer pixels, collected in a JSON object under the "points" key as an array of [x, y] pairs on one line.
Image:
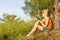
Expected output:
{"points": [[49, 25]]}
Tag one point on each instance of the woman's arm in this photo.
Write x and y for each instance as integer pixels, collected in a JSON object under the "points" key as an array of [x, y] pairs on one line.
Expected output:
{"points": [[42, 22], [44, 25]]}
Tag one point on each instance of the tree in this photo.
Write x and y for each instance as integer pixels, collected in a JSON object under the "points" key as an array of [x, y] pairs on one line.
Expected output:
{"points": [[34, 7], [9, 18], [57, 14]]}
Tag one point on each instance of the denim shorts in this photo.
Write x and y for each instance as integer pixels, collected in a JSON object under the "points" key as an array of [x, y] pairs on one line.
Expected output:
{"points": [[46, 29]]}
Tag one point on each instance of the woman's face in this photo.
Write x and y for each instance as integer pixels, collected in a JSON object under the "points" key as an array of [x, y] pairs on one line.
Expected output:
{"points": [[44, 13]]}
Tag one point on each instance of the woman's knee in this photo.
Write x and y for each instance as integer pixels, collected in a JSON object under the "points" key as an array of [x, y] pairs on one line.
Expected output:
{"points": [[37, 22]]}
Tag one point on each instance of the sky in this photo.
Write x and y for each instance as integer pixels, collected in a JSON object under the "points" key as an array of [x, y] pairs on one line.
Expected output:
{"points": [[13, 7]]}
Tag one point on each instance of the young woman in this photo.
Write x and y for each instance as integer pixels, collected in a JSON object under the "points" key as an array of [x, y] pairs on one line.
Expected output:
{"points": [[44, 25]]}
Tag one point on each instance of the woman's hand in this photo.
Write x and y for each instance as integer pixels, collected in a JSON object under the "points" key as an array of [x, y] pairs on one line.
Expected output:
{"points": [[42, 23]]}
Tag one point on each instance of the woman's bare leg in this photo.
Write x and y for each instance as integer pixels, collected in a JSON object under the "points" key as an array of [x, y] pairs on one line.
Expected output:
{"points": [[36, 26]]}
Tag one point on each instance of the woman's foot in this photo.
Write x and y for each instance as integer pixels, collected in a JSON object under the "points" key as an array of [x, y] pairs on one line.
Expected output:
{"points": [[32, 37], [27, 35]]}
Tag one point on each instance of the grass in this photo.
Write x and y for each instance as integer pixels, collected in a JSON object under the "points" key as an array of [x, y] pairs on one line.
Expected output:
{"points": [[18, 31], [54, 35]]}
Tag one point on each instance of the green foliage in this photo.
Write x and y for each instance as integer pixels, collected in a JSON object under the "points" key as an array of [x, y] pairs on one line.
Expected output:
{"points": [[15, 29], [34, 7], [12, 28]]}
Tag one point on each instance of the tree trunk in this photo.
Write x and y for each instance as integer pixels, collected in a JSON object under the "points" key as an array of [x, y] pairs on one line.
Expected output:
{"points": [[57, 16]]}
